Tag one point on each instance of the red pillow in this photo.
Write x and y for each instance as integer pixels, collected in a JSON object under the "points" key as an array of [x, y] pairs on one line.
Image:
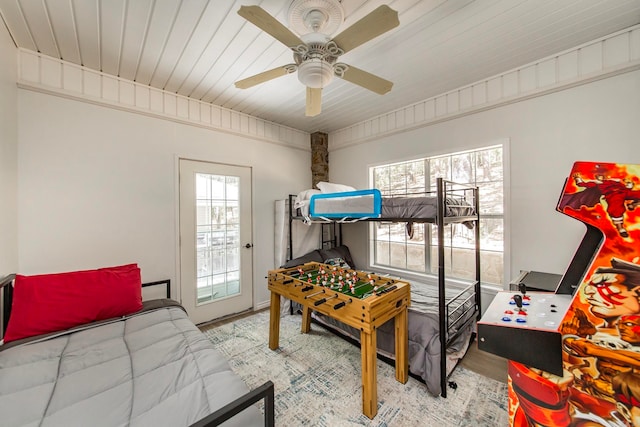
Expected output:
{"points": [[54, 302]]}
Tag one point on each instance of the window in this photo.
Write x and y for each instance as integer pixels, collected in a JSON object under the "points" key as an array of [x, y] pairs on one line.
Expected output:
{"points": [[218, 236], [390, 243]]}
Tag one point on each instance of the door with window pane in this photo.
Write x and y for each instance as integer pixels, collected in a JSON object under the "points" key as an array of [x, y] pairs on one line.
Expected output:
{"points": [[215, 239]]}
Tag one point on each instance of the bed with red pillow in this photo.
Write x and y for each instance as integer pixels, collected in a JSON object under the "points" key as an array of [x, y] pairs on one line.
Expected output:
{"points": [[82, 348]]}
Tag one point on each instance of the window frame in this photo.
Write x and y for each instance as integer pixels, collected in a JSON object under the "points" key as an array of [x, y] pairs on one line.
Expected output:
{"points": [[429, 245]]}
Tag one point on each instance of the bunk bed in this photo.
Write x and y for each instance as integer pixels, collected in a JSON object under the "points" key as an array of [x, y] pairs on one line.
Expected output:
{"points": [[440, 317]]}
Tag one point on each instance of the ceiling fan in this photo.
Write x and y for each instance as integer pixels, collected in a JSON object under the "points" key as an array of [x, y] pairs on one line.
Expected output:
{"points": [[315, 54]]}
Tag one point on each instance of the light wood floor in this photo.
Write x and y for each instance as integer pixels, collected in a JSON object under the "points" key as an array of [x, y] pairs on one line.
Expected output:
{"points": [[484, 363]]}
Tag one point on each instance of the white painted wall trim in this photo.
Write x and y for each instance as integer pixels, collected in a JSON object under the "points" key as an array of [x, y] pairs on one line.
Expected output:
{"points": [[45, 74], [605, 57]]}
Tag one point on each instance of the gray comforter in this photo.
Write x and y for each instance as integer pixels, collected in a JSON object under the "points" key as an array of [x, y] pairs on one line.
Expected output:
{"points": [[150, 369], [424, 334]]}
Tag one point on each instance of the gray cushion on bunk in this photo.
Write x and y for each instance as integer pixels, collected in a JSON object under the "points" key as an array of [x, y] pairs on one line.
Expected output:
{"points": [[313, 256], [322, 255], [338, 252]]}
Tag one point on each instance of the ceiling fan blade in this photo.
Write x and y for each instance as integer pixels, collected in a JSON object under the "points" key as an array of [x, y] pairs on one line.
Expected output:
{"points": [[366, 80], [265, 76], [314, 102], [267, 23], [377, 22]]}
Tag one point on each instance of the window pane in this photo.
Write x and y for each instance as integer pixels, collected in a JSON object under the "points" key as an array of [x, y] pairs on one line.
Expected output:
{"points": [[217, 186], [382, 253], [203, 186], [398, 255], [439, 168], [462, 166], [381, 179], [397, 178], [492, 265], [232, 192], [489, 165], [397, 232], [232, 211], [415, 258], [415, 177], [491, 198], [492, 234], [217, 236]]}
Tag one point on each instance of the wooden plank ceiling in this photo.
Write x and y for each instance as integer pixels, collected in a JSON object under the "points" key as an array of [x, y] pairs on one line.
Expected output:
{"points": [[199, 48]]}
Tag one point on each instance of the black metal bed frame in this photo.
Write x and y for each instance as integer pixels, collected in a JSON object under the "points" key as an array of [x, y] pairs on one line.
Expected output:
{"points": [[264, 391], [454, 308]]}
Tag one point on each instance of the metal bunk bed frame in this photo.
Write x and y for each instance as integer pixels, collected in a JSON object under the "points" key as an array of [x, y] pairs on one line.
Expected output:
{"points": [[334, 237]]}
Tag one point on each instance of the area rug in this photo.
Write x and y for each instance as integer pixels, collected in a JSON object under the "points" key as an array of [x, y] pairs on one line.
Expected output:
{"points": [[317, 378]]}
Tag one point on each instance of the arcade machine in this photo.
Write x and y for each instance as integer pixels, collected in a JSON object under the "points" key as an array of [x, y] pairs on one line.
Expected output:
{"points": [[574, 354]]}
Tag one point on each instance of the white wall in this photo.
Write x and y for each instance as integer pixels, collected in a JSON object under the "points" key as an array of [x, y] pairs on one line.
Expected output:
{"points": [[599, 121], [8, 154], [97, 186]]}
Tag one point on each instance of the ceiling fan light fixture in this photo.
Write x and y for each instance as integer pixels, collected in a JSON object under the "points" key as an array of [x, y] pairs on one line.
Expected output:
{"points": [[315, 73]]}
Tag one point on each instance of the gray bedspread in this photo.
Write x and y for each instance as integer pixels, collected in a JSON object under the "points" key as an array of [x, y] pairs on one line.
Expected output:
{"points": [[406, 208], [150, 369], [417, 208]]}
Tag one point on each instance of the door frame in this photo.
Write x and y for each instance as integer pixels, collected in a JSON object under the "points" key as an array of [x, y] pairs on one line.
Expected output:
{"points": [[176, 204]]}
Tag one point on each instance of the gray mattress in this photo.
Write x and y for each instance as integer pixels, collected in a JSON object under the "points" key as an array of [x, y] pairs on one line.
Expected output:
{"points": [[149, 369], [423, 208], [424, 333], [417, 208]]}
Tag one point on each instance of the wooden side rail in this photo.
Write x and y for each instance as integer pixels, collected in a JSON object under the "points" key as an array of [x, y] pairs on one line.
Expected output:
{"points": [[265, 391]]}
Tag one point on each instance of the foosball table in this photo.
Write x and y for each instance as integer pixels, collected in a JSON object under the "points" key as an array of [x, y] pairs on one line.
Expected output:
{"points": [[359, 299]]}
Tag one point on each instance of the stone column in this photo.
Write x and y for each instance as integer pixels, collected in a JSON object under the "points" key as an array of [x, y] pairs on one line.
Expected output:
{"points": [[319, 158]]}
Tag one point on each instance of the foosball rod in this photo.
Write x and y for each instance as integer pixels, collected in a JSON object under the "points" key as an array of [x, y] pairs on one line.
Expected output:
{"points": [[323, 300], [314, 294], [385, 289]]}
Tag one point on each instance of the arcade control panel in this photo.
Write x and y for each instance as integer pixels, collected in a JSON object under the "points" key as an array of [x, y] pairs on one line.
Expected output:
{"points": [[525, 327]]}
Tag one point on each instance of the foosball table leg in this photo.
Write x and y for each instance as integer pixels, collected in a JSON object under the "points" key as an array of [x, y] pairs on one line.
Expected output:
{"points": [[274, 322], [402, 347], [369, 374], [306, 319]]}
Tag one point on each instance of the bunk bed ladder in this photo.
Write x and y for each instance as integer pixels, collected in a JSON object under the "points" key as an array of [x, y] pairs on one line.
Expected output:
{"points": [[330, 235]]}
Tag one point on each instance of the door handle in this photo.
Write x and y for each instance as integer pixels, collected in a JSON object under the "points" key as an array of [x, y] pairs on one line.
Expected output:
{"points": [[248, 246]]}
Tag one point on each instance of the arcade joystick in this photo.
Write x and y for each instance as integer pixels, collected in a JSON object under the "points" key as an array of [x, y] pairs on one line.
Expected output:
{"points": [[518, 300], [522, 288]]}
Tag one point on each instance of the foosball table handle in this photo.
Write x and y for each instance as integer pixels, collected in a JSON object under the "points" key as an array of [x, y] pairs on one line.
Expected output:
{"points": [[320, 301], [385, 290], [341, 304]]}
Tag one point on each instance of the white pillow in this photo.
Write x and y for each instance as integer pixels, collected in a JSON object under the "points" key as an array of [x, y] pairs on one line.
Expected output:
{"points": [[306, 194], [329, 187]]}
